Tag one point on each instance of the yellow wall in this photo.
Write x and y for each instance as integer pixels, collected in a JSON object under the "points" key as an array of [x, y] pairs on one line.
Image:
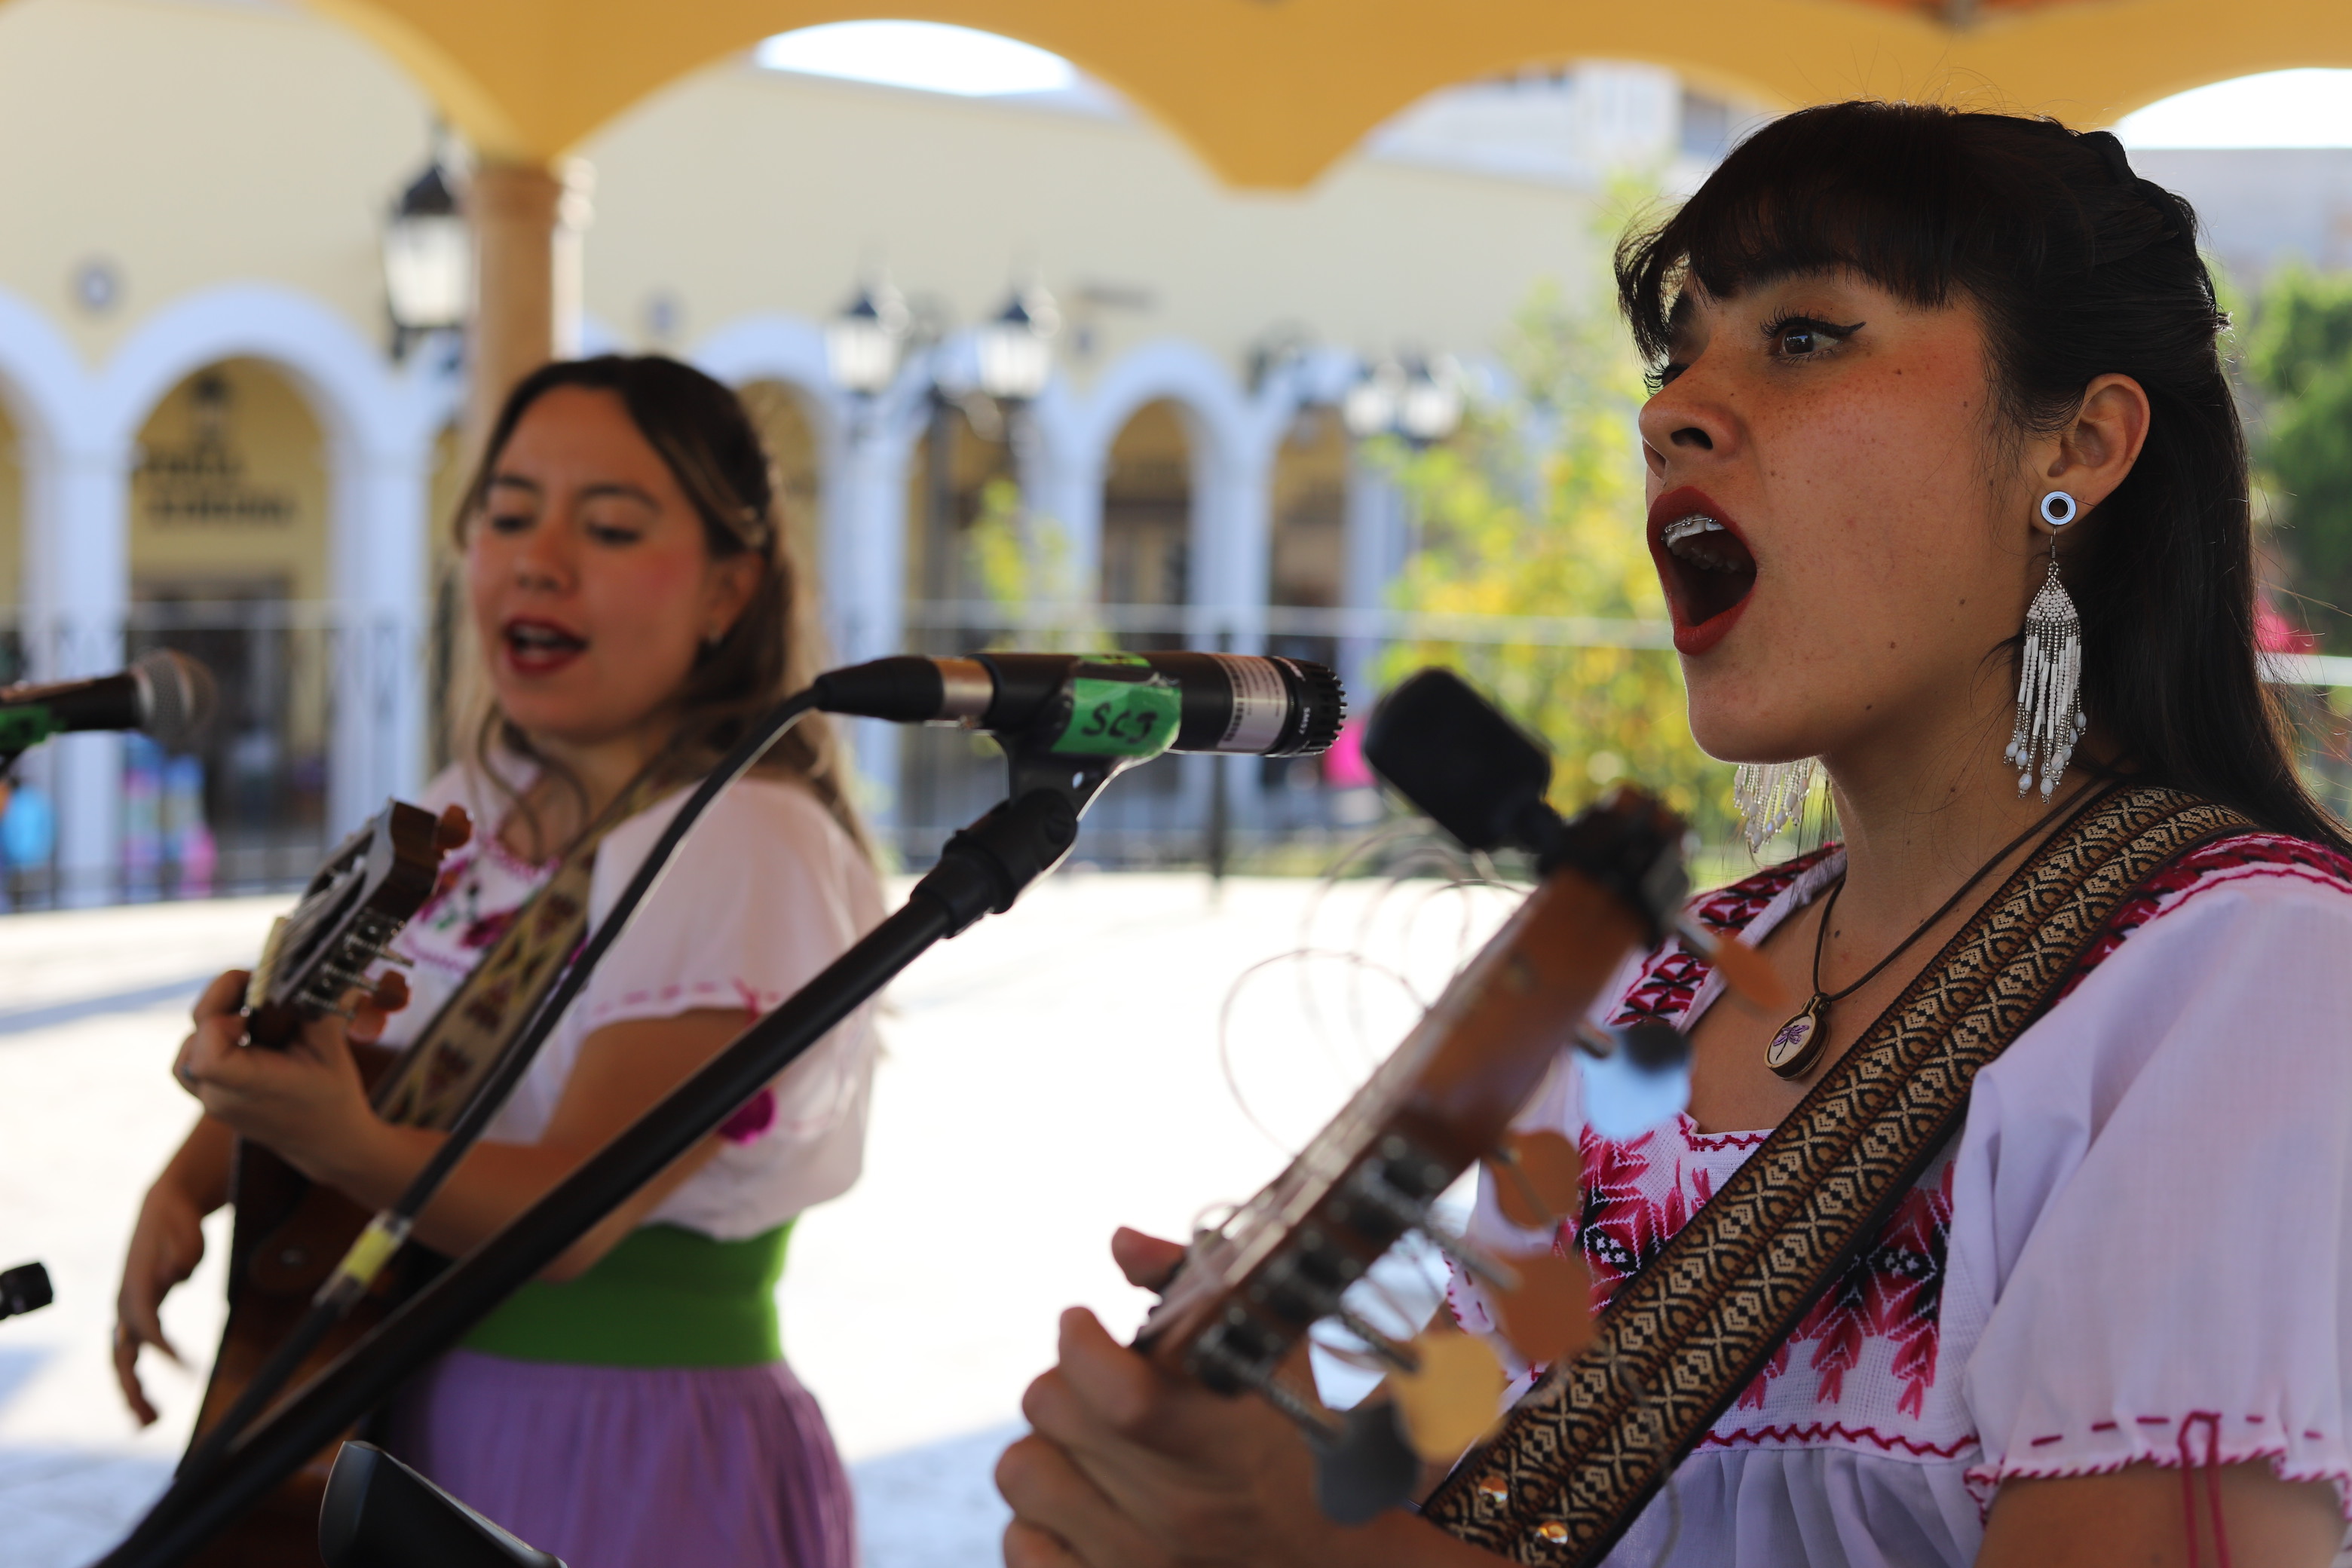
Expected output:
{"points": [[195, 144], [1148, 511], [741, 190], [244, 510], [784, 428], [1310, 513]]}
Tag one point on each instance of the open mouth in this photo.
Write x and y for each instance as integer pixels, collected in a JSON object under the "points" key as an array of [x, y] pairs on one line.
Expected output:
{"points": [[1706, 566], [539, 645]]}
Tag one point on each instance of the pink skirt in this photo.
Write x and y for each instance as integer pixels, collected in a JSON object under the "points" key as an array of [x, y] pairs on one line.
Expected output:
{"points": [[627, 1467]]}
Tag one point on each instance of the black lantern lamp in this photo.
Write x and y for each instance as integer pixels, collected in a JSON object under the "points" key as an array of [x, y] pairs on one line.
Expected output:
{"points": [[429, 260], [1016, 350], [1421, 401], [861, 344]]}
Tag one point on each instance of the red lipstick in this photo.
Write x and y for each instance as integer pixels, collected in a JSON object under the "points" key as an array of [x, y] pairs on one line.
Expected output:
{"points": [[1703, 565]]}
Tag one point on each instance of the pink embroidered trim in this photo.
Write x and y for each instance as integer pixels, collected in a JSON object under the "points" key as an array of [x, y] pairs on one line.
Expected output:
{"points": [[1716, 1142], [1984, 1480], [732, 994], [1814, 1432]]}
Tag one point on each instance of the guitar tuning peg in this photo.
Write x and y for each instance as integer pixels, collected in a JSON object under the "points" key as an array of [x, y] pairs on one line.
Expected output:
{"points": [[1550, 1317], [1399, 1356], [1747, 971], [1642, 1079], [453, 829], [1365, 1468], [1536, 1178], [1456, 1396]]}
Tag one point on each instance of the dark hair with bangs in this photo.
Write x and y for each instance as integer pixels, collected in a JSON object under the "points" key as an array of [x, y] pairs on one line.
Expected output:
{"points": [[2079, 269], [705, 435]]}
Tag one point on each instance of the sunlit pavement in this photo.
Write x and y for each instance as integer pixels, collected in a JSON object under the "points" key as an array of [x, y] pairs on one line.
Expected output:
{"points": [[1049, 1075]]}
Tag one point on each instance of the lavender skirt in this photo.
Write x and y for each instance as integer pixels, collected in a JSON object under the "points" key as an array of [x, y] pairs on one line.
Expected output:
{"points": [[628, 1467]]}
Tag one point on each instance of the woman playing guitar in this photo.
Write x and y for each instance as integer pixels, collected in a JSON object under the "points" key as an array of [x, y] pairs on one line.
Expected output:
{"points": [[1900, 351], [634, 601]]}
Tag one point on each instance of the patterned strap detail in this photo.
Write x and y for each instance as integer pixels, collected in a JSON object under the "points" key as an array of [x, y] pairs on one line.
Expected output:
{"points": [[1579, 1458], [434, 1078]]}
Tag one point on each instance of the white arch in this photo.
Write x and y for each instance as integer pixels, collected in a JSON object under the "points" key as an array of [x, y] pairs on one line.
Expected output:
{"points": [[791, 350], [1075, 433], [42, 381], [356, 396], [380, 425]]}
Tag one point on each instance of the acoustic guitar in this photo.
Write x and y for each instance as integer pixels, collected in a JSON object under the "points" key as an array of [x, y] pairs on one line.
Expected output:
{"points": [[1238, 1310], [289, 1234]]}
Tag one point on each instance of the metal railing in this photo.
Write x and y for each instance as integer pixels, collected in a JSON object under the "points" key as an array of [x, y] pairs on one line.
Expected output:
{"points": [[252, 809]]}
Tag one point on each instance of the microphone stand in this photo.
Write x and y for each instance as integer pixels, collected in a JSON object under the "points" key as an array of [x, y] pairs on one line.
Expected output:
{"points": [[983, 870]]}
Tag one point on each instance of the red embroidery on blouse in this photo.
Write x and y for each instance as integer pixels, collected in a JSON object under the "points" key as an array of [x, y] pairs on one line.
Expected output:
{"points": [[2232, 859], [1633, 1191], [753, 1118], [1814, 1431]]}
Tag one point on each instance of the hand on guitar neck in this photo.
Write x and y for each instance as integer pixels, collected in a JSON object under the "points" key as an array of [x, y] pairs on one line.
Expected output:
{"points": [[1131, 1467], [307, 1103]]}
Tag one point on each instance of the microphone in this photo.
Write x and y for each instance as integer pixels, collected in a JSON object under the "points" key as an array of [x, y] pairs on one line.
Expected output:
{"points": [[1104, 704], [164, 693]]}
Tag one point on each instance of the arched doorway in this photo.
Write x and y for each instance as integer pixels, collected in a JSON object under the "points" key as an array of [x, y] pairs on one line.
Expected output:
{"points": [[780, 413], [1154, 814], [960, 484], [228, 551], [1146, 526], [1307, 571]]}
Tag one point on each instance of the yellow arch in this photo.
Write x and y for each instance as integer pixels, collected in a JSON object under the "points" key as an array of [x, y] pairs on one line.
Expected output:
{"points": [[1269, 93]]}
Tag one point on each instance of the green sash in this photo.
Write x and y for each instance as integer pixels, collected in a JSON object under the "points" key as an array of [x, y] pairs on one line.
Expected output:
{"points": [[664, 1297]]}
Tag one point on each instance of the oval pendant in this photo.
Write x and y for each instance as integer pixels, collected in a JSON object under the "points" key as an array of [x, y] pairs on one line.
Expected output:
{"points": [[1792, 1050]]}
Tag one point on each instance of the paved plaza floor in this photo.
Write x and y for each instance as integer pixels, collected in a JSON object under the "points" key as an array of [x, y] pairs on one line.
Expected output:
{"points": [[1052, 1074]]}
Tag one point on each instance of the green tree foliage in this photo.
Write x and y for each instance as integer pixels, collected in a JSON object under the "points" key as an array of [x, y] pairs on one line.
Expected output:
{"points": [[2299, 355], [1493, 540]]}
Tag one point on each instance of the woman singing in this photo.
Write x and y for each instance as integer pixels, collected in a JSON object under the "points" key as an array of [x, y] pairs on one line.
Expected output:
{"points": [[1935, 394], [634, 601]]}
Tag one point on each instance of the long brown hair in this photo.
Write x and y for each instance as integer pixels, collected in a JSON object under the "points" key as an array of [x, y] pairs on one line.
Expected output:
{"points": [[776, 646]]}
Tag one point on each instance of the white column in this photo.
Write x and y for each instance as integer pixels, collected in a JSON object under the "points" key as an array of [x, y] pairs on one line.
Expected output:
{"points": [[1232, 542], [1062, 485], [77, 595], [376, 566], [1374, 555], [866, 574]]}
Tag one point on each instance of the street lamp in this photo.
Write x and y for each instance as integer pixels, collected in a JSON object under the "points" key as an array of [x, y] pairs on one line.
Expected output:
{"points": [[861, 344], [429, 260], [1371, 408], [1420, 400], [1016, 350]]}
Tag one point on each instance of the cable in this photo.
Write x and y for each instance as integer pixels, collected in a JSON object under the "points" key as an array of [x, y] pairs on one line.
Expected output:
{"points": [[384, 1234]]}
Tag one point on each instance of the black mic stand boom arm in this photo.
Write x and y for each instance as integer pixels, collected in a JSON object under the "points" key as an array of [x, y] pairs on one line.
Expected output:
{"points": [[983, 870]]}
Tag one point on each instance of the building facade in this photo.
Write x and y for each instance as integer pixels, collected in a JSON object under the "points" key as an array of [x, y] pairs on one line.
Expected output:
{"points": [[208, 441]]}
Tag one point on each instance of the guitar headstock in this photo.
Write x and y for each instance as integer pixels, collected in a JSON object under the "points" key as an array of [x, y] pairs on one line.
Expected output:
{"points": [[1612, 880], [1444, 1100], [367, 889]]}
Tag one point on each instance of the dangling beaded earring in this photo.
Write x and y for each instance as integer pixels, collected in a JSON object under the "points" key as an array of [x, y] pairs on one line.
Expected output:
{"points": [[2050, 682], [1770, 797]]}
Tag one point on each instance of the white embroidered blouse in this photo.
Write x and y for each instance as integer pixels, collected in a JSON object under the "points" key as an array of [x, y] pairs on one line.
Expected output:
{"points": [[2138, 1249], [764, 892]]}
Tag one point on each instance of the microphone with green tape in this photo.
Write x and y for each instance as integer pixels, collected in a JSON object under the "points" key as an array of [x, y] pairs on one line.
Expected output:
{"points": [[1104, 704]]}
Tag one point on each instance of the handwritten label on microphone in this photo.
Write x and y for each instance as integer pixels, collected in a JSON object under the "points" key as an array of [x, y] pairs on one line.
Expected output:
{"points": [[1121, 719]]}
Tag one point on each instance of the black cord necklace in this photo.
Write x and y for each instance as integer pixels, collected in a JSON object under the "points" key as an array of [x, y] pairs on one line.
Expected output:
{"points": [[1797, 1046]]}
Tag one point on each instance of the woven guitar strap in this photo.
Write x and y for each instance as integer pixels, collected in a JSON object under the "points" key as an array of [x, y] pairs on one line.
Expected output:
{"points": [[431, 1082], [1580, 1457]]}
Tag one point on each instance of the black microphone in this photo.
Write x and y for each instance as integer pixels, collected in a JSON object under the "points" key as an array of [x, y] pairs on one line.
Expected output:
{"points": [[165, 693], [1104, 704]]}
